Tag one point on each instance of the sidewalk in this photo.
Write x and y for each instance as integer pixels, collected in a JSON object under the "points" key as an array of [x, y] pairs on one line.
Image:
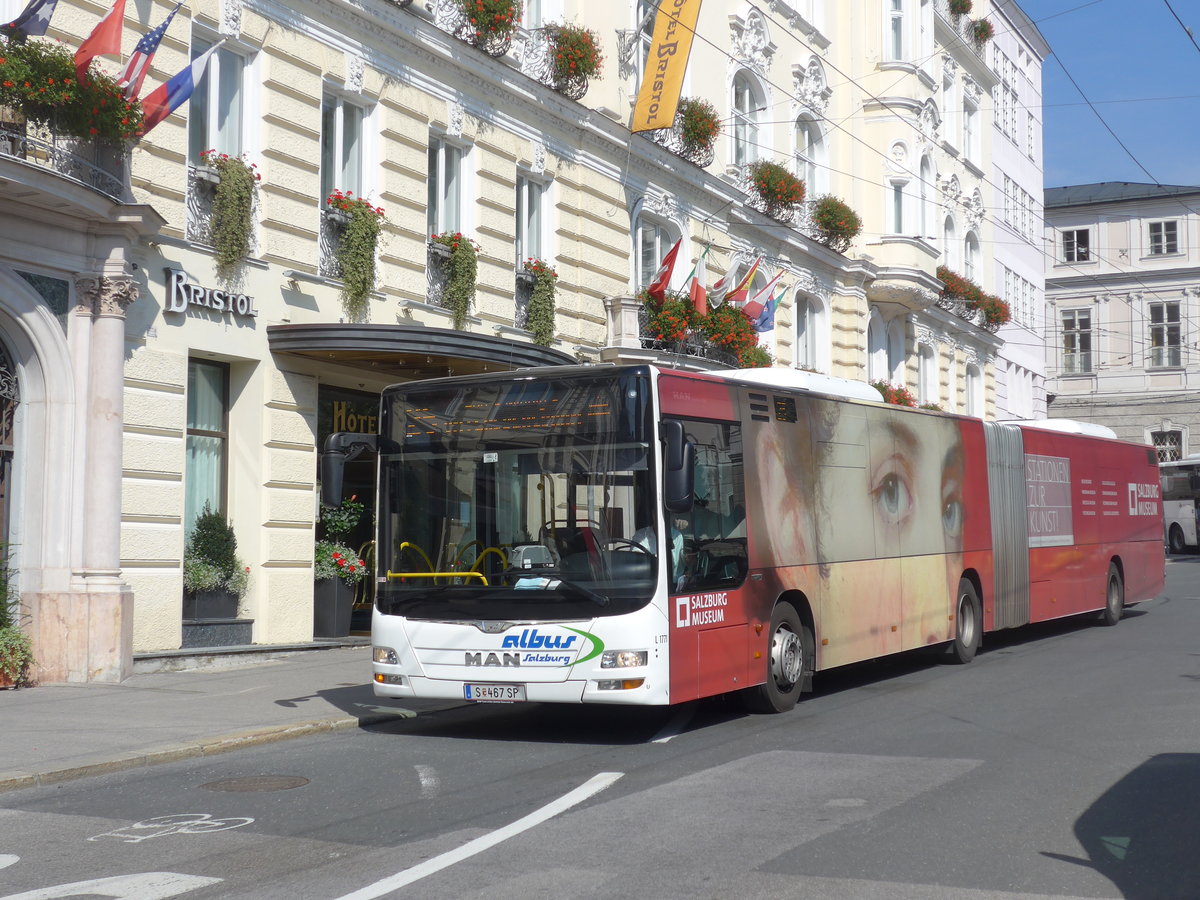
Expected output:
{"points": [[57, 732]]}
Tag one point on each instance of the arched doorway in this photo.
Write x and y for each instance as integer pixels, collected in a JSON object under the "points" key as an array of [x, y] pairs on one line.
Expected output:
{"points": [[10, 396]]}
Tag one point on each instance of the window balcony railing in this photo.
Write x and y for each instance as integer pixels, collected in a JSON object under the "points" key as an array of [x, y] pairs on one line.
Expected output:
{"points": [[693, 345], [960, 25], [333, 226], [100, 166], [522, 295], [959, 307], [672, 139], [436, 274], [201, 193]]}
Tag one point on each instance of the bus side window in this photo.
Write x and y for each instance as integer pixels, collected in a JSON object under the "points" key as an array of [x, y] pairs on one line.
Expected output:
{"points": [[715, 529]]}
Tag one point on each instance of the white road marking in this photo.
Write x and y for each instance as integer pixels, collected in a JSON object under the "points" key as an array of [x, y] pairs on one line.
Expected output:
{"points": [[7, 859], [386, 885], [675, 727], [142, 886], [431, 783]]}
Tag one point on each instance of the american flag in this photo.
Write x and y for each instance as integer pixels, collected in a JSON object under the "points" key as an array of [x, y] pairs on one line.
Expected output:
{"points": [[139, 61]]}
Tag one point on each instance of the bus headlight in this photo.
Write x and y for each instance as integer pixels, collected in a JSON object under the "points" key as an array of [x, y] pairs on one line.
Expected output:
{"points": [[623, 659], [385, 655]]}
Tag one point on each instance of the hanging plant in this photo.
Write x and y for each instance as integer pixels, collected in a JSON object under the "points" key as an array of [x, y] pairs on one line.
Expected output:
{"points": [[729, 327], [574, 58], [958, 289], [232, 210], [671, 319], [779, 190], [699, 124], [982, 31], [756, 357], [356, 250], [540, 318], [489, 24], [837, 224], [461, 270], [960, 7], [895, 394], [38, 78]]}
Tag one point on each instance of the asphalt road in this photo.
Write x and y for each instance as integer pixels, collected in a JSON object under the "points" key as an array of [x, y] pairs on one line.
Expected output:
{"points": [[1063, 762]]}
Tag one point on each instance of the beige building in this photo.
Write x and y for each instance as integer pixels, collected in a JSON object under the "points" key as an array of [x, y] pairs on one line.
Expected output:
{"points": [[1122, 285], [221, 391]]}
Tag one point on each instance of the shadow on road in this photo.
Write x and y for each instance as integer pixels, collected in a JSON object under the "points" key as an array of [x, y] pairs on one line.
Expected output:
{"points": [[1141, 833]]}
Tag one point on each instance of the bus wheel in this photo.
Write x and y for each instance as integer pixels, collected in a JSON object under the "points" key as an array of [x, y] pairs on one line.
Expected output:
{"points": [[792, 652], [968, 624], [1114, 603], [1175, 540]]}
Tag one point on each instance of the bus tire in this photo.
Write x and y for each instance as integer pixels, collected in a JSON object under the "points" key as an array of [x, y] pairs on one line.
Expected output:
{"points": [[1175, 540], [791, 653], [1114, 597], [968, 624]]}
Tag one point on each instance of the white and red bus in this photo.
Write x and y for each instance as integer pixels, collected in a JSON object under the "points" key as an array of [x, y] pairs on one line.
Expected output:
{"points": [[1181, 512], [638, 535]]}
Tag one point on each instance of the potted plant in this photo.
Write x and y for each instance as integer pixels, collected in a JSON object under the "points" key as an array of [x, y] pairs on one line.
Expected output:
{"points": [[214, 578], [699, 124], [836, 223], [982, 31], [779, 191], [897, 395], [670, 320], [960, 7], [489, 24], [730, 328], [540, 317], [37, 77], [16, 651], [462, 264], [336, 570], [361, 223], [756, 357], [574, 58], [232, 209]]}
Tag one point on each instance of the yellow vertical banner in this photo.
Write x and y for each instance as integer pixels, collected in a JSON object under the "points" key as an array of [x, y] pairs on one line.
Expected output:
{"points": [[666, 62]]}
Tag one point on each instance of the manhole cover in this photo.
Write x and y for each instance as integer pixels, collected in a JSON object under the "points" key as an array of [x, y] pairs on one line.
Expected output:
{"points": [[256, 783]]}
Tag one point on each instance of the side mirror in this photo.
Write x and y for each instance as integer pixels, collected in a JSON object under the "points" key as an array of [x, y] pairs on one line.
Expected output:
{"points": [[679, 467], [340, 448]]}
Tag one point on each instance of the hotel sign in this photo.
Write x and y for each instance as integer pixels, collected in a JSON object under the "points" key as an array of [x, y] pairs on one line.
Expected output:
{"points": [[181, 294]]}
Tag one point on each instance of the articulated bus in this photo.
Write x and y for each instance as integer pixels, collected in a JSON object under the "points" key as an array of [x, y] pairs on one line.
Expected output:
{"points": [[1180, 490], [637, 535]]}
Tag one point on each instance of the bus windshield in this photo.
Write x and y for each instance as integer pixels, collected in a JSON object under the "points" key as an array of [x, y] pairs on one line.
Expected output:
{"points": [[525, 498]]}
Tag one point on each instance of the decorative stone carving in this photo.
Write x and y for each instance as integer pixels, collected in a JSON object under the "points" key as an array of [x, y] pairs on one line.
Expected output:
{"points": [[929, 121], [100, 295], [974, 209], [455, 116], [751, 42], [355, 70], [971, 90], [539, 158], [662, 204], [231, 18], [949, 66], [809, 87], [898, 157]]}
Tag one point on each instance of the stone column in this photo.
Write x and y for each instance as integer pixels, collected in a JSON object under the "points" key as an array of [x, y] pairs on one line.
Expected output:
{"points": [[86, 633]]}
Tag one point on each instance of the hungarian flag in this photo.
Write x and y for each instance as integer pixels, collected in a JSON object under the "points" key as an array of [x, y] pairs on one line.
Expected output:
{"points": [[766, 320], [164, 100], [34, 20], [755, 307], [139, 63], [104, 40], [658, 287], [696, 289], [741, 293]]}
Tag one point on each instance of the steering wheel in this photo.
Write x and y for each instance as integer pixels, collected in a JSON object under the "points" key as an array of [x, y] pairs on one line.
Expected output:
{"points": [[614, 543]]}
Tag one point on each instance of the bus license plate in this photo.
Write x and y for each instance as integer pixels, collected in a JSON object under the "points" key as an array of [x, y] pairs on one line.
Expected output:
{"points": [[495, 693]]}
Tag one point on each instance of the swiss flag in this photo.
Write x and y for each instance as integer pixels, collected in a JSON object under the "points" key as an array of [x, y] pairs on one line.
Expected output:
{"points": [[104, 40], [658, 287]]}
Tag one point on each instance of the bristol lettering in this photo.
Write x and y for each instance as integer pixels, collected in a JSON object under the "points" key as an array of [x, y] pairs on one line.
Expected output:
{"points": [[181, 295], [529, 639]]}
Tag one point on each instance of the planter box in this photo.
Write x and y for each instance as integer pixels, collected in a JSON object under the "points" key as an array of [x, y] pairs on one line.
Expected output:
{"points": [[333, 603], [219, 604]]}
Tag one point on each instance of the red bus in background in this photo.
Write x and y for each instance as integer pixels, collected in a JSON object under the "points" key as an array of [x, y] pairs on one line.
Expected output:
{"points": [[644, 536]]}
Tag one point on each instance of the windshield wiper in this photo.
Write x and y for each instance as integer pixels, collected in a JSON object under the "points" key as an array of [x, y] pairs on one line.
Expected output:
{"points": [[580, 591]]}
